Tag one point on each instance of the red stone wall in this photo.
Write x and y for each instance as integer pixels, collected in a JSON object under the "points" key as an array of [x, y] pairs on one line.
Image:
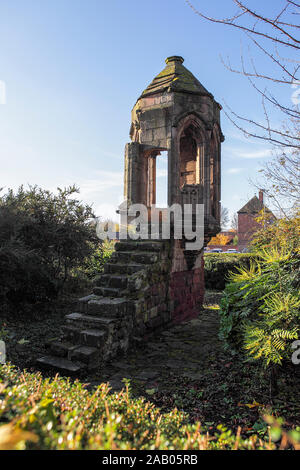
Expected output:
{"points": [[171, 293], [186, 292]]}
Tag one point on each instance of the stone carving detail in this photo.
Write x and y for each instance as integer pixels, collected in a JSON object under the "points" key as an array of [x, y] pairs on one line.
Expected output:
{"points": [[192, 194]]}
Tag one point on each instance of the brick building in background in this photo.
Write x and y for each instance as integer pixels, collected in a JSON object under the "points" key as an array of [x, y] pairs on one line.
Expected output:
{"points": [[247, 225]]}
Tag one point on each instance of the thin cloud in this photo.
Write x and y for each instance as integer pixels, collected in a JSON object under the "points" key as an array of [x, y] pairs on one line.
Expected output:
{"points": [[106, 211], [103, 192], [257, 154], [246, 154], [234, 171], [105, 180]]}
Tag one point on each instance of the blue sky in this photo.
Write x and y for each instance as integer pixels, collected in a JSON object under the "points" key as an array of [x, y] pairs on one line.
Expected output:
{"points": [[73, 70]]}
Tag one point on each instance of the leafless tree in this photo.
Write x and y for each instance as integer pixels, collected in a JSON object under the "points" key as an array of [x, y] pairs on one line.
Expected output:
{"points": [[276, 36], [224, 217], [281, 178], [234, 222]]}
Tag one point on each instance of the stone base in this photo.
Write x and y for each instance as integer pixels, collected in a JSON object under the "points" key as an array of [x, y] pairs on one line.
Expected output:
{"points": [[187, 293], [146, 286]]}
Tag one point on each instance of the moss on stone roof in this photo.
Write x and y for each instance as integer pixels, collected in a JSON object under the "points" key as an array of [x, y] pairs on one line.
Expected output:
{"points": [[175, 77]]}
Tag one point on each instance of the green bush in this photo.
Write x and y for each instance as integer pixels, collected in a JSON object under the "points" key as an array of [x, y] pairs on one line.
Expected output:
{"points": [[260, 307], [278, 233], [95, 263], [217, 267], [43, 237], [56, 414]]}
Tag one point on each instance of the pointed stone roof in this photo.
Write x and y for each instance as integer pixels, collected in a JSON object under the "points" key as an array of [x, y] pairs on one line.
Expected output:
{"points": [[175, 77], [253, 206]]}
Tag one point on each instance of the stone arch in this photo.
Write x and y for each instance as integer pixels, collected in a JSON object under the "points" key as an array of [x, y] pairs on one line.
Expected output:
{"points": [[188, 115], [189, 160], [150, 157], [191, 145]]}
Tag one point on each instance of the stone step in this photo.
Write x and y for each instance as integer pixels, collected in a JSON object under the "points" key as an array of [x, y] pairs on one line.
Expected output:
{"points": [[83, 302], [62, 348], [111, 280], [144, 245], [143, 257], [123, 268], [71, 333], [88, 355], [140, 257], [108, 307], [93, 337], [84, 336], [86, 321], [107, 291], [59, 363]]}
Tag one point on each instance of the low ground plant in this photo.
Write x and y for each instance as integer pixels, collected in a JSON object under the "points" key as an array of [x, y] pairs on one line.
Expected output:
{"points": [[37, 413], [260, 309]]}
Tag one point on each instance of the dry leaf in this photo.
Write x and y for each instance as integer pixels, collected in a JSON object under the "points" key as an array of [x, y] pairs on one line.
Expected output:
{"points": [[10, 437]]}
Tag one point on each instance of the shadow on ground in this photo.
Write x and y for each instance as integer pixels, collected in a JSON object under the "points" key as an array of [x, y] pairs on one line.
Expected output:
{"points": [[184, 367], [181, 350]]}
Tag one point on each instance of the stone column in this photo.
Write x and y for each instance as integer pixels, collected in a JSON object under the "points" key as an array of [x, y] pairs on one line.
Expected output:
{"points": [[206, 191], [151, 196], [135, 178], [174, 170]]}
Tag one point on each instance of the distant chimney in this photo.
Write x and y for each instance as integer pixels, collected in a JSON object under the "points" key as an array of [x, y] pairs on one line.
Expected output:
{"points": [[261, 195]]}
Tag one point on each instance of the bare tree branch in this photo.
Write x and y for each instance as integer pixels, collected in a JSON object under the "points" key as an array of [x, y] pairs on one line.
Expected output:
{"points": [[268, 33], [293, 113], [248, 133], [294, 3], [229, 22], [266, 20]]}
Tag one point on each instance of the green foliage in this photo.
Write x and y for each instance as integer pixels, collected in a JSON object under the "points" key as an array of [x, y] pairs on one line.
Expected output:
{"points": [[217, 267], [101, 255], [3, 333], [43, 237], [268, 338], [56, 414], [284, 232], [260, 307], [235, 240]]}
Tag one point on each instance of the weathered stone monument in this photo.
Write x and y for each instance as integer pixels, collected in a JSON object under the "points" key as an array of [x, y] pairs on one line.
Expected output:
{"points": [[150, 283]]}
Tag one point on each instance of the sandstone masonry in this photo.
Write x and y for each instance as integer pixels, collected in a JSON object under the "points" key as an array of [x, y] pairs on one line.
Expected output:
{"points": [[151, 283]]}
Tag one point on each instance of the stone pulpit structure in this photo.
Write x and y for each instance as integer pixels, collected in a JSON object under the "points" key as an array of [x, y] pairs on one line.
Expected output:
{"points": [[151, 283], [178, 115]]}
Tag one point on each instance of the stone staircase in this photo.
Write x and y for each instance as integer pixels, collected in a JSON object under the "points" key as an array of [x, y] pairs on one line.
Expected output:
{"points": [[105, 321]]}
